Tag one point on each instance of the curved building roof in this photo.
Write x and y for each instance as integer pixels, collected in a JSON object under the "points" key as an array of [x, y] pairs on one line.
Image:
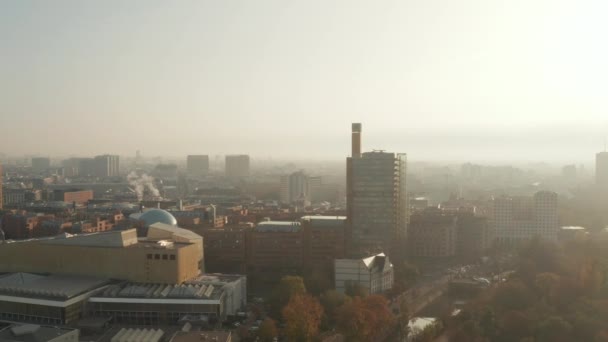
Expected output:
{"points": [[153, 216]]}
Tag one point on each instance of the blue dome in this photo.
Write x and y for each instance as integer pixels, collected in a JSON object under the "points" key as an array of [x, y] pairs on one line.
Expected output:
{"points": [[153, 216]]}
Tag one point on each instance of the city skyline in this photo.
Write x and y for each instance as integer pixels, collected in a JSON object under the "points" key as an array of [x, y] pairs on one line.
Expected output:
{"points": [[422, 76]]}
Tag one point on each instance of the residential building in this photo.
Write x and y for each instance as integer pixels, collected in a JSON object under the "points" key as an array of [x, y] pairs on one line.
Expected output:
{"points": [[78, 196], [432, 233], [374, 274], [601, 170], [276, 249], [377, 203], [1, 195], [107, 166], [237, 166], [40, 165], [521, 218], [295, 188], [323, 240], [14, 197], [474, 235], [166, 172], [226, 249], [197, 166]]}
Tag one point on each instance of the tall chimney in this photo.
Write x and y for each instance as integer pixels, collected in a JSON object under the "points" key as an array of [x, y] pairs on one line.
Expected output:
{"points": [[356, 140]]}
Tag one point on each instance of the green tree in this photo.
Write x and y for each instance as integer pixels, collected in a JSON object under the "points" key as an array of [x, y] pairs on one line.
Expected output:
{"points": [[318, 280], [354, 289], [287, 287], [404, 318], [302, 316], [331, 301], [513, 295]]}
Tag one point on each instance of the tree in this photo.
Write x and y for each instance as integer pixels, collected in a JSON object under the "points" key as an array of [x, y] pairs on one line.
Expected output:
{"points": [[355, 290], [318, 280], [268, 331], [288, 287], [513, 295], [546, 283], [331, 301], [404, 318], [487, 324], [302, 316], [429, 333], [363, 319], [554, 329]]}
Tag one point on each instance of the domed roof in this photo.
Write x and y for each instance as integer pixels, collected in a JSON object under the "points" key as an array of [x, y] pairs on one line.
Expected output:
{"points": [[153, 216]]}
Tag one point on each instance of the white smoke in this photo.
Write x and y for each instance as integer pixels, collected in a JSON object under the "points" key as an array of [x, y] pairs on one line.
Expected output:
{"points": [[140, 183]]}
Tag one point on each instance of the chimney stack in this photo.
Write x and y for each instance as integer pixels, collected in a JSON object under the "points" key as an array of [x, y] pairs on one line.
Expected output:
{"points": [[356, 140]]}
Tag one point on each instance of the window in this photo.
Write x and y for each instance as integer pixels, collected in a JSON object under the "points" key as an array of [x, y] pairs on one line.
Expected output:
{"points": [[157, 256], [165, 257], [172, 257], [149, 256]]}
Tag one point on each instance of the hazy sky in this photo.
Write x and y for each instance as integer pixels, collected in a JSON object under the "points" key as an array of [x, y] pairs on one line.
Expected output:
{"points": [[466, 79]]}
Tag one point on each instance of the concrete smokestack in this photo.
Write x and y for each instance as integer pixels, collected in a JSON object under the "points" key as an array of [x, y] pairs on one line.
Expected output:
{"points": [[356, 140]]}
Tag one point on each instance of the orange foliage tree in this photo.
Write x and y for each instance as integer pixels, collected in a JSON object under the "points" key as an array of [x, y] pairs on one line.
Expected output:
{"points": [[302, 316]]}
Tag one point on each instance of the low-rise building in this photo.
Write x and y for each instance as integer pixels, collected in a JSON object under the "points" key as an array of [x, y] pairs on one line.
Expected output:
{"points": [[202, 336], [31, 332], [167, 255], [210, 297], [45, 299], [374, 273]]}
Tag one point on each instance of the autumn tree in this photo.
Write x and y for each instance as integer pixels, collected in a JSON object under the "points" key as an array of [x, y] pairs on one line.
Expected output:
{"points": [[268, 331], [302, 316], [363, 319], [287, 288]]}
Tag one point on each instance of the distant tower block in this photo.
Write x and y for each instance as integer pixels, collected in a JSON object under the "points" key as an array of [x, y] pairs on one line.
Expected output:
{"points": [[356, 140]]}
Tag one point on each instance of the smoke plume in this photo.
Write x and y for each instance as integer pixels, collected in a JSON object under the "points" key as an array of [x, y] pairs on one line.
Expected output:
{"points": [[140, 183]]}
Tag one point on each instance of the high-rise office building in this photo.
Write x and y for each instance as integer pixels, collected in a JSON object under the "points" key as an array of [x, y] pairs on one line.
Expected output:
{"points": [[107, 166], [40, 164], [376, 195], [601, 170], [237, 166], [295, 188], [1, 174], [197, 165]]}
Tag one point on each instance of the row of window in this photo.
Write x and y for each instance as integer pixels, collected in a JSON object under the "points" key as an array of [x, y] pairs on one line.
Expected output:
{"points": [[161, 256]]}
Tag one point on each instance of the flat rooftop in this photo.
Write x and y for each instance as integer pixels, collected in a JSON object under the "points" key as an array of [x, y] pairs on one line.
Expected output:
{"points": [[154, 292], [278, 226], [48, 286], [32, 333], [202, 336]]}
